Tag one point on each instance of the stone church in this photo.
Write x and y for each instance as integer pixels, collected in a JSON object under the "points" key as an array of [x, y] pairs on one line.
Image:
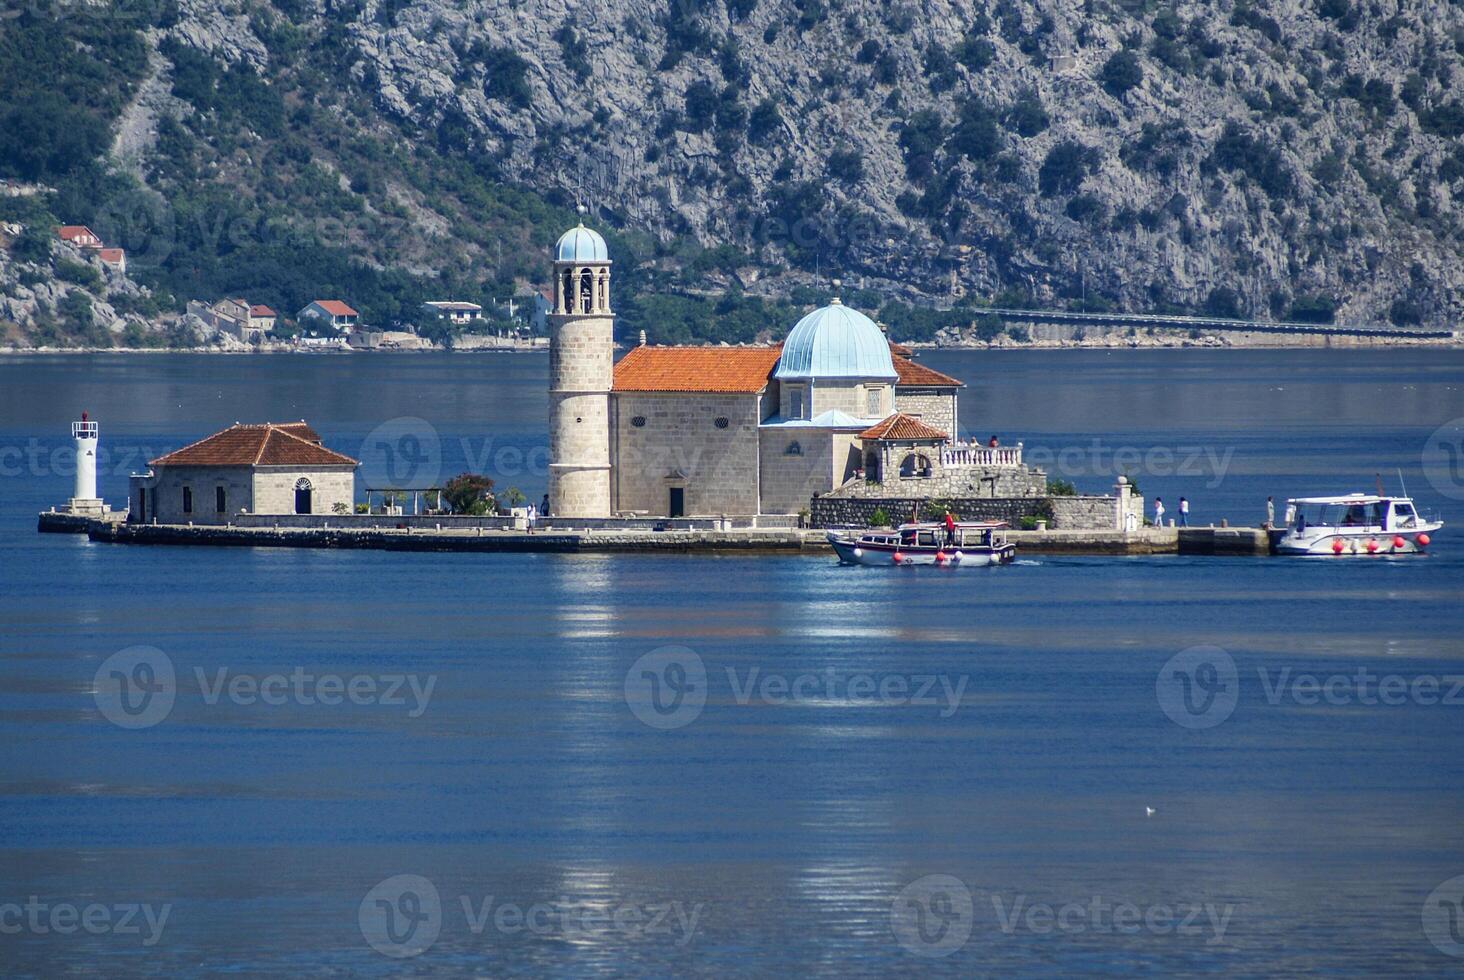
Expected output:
{"points": [[716, 430]]}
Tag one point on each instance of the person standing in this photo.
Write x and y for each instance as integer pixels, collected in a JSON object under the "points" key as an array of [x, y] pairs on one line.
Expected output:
{"points": [[1270, 513], [950, 528], [1158, 511], [544, 506], [1184, 512]]}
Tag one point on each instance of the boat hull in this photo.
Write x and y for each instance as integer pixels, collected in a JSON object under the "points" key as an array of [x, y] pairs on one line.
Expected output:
{"points": [[852, 552], [1364, 544]]}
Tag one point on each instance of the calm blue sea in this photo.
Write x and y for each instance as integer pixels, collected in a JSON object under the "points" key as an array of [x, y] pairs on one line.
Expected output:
{"points": [[263, 762]]}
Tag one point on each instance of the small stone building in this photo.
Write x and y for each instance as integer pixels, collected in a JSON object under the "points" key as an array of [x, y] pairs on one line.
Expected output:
{"points": [[267, 468]]}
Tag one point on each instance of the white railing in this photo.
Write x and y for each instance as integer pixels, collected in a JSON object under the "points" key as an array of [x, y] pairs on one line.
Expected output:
{"points": [[960, 454]]}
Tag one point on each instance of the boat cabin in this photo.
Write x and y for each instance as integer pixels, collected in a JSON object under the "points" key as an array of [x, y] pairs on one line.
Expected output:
{"points": [[1354, 512], [967, 535]]}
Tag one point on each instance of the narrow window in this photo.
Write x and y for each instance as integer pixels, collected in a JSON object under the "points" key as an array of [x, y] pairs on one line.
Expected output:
{"points": [[187, 500], [871, 407], [220, 500]]}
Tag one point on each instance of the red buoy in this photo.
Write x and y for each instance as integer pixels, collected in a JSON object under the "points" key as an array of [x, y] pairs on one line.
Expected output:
{"points": [[1337, 546], [1422, 540], [940, 557], [1372, 546], [899, 558], [1398, 541]]}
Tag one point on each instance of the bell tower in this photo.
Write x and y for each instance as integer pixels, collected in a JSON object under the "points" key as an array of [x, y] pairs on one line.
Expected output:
{"points": [[581, 362]]}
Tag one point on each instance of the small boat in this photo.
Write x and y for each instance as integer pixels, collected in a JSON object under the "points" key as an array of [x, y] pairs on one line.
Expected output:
{"points": [[968, 545], [1354, 524]]}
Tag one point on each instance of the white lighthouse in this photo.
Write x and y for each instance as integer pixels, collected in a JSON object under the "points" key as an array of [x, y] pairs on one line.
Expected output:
{"points": [[84, 499]]}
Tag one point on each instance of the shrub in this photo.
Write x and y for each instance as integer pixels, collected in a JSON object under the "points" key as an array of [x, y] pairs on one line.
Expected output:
{"points": [[975, 53], [1065, 167], [920, 138], [80, 273], [846, 165], [574, 50], [1120, 73], [1238, 150], [763, 122], [1026, 117], [1085, 207], [1061, 488], [879, 518], [1312, 309], [1224, 302], [976, 136], [701, 105]]}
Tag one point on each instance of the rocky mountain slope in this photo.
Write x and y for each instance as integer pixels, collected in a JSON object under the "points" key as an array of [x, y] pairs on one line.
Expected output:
{"points": [[1299, 158]]}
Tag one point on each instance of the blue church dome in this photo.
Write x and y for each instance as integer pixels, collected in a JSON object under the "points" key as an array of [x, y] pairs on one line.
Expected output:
{"points": [[581, 244], [835, 341]]}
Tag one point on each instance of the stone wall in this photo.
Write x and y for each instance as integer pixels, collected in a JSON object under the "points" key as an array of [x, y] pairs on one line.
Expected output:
{"points": [[274, 489], [680, 444], [581, 358], [165, 493], [787, 480], [929, 406], [953, 481], [1067, 513]]}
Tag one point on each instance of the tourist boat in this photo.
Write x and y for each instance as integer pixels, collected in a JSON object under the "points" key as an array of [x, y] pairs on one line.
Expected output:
{"points": [[970, 545], [1354, 524]]}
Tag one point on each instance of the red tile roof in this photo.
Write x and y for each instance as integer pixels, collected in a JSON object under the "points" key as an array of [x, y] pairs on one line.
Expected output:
{"points": [[708, 369], [110, 254], [67, 232], [918, 374], [902, 428], [900, 349], [259, 309], [335, 307], [264, 444]]}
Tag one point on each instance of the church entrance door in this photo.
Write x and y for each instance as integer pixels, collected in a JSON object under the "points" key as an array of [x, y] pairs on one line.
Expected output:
{"points": [[678, 503]]}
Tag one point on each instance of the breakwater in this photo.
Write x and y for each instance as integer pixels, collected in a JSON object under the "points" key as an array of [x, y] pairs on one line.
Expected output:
{"points": [[471, 536]]}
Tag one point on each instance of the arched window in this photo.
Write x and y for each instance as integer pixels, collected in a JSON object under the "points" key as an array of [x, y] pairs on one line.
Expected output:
{"points": [[566, 290], [587, 292], [302, 496], [915, 466], [794, 449]]}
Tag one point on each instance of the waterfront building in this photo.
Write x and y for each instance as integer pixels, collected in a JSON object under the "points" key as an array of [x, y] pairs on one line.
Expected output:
{"points": [[267, 468], [711, 430]]}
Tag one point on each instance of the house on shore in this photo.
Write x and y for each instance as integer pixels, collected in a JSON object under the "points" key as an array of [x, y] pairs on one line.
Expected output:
{"points": [[236, 315], [265, 468], [330, 313], [454, 312]]}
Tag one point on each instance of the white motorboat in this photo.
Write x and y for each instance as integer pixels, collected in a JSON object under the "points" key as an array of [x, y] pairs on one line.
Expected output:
{"points": [[1354, 524], [966, 545]]}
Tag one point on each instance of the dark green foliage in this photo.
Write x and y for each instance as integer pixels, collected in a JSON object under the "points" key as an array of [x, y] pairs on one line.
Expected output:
{"points": [[1255, 157], [940, 69], [701, 105], [920, 139], [1120, 73], [574, 50], [63, 79], [740, 9], [1406, 312], [1065, 167], [1312, 309], [811, 13], [505, 75], [1245, 15], [1087, 208], [1224, 302], [34, 244], [764, 122], [975, 53], [976, 135], [1446, 120], [84, 275], [1026, 116], [846, 164]]}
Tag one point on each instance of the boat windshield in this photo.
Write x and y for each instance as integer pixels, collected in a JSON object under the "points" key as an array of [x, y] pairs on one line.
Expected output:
{"points": [[1340, 515], [1404, 515]]}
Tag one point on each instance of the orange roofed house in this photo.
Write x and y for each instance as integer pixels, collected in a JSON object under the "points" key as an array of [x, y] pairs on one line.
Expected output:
{"points": [[329, 312], [740, 431], [267, 468]]}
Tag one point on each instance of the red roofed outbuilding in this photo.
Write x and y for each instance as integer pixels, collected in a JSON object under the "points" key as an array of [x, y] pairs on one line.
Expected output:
{"points": [[271, 468]]}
